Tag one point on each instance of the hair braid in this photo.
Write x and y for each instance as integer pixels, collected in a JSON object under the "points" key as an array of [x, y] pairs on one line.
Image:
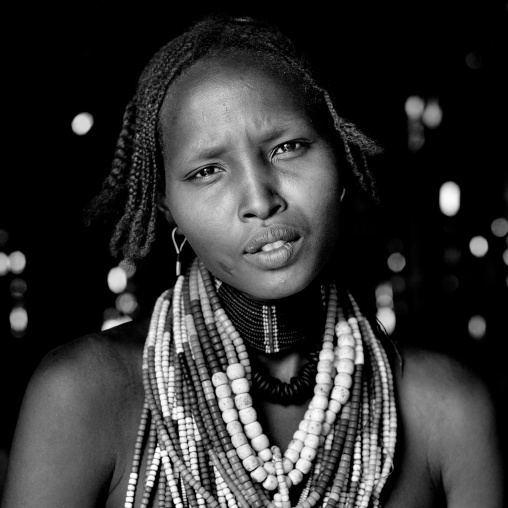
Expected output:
{"points": [[143, 216], [137, 178], [114, 186], [352, 137], [123, 147], [135, 231]]}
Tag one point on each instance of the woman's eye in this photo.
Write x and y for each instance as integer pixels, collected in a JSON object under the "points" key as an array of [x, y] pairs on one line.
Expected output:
{"points": [[206, 172], [290, 146]]}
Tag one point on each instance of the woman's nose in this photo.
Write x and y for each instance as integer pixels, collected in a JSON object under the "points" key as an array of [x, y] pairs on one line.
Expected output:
{"points": [[260, 194]]}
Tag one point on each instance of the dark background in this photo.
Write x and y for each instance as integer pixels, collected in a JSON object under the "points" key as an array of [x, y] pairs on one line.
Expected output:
{"points": [[60, 61]]}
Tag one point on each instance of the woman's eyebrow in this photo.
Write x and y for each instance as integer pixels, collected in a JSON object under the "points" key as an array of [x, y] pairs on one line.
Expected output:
{"points": [[266, 135], [275, 133], [207, 152]]}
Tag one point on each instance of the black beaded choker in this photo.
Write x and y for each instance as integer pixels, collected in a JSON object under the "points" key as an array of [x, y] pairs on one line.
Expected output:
{"points": [[279, 326]]}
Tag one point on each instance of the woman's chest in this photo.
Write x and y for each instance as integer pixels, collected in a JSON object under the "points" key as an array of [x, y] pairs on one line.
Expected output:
{"points": [[408, 485]]}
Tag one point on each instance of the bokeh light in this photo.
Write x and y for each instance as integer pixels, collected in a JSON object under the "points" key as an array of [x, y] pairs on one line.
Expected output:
{"points": [[499, 227], [451, 255], [432, 115], [415, 136], [117, 279], [396, 262], [505, 257], [387, 318], [449, 198], [18, 288], [474, 60], [414, 107], [17, 261], [477, 327], [478, 246], [384, 295], [126, 303], [18, 319], [82, 123]]}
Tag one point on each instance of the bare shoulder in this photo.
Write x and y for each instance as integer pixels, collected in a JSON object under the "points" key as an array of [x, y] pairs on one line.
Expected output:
{"points": [[80, 402], [92, 369], [448, 413], [449, 393], [439, 383], [91, 376], [99, 358]]}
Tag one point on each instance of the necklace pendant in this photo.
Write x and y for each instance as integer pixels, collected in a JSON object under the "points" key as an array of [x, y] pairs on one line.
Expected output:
{"points": [[270, 329]]}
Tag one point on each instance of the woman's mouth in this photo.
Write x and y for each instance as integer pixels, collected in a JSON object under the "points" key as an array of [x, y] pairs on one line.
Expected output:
{"points": [[274, 247]]}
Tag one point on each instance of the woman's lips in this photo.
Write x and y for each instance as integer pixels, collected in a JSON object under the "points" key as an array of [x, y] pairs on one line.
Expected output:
{"points": [[274, 247], [271, 235]]}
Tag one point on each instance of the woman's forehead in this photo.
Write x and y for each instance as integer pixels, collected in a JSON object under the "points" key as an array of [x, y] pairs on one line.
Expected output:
{"points": [[216, 84], [220, 101], [217, 73]]}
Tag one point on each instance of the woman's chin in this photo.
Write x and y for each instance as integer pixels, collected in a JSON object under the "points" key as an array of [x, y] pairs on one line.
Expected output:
{"points": [[273, 288]]}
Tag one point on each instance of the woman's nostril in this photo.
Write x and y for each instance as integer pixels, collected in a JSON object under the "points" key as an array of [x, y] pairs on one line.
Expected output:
{"points": [[261, 204]]}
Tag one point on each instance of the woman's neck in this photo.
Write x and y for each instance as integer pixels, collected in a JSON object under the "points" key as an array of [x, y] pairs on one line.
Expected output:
{"points": [[295, 322]]}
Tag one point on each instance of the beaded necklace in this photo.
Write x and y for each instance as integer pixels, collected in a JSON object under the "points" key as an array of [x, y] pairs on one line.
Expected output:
{"points": [[273, 328], [204, 443], [296, 322]]}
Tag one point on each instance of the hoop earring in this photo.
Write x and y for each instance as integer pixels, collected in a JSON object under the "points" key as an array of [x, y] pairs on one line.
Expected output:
{"points": [[178, 251]]}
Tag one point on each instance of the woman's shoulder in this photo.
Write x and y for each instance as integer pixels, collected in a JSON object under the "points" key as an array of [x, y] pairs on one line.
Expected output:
{"points": [[439, 382], [89, 375], [84, 400], [103, 358], [448, 418], [436, 389], [84, 380]]}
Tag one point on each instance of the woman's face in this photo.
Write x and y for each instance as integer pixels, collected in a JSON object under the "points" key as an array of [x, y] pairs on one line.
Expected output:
{"points": [[250, 180]]}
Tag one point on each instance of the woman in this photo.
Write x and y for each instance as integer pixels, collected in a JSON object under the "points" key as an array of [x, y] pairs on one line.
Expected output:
{"points": [[258, 380]]}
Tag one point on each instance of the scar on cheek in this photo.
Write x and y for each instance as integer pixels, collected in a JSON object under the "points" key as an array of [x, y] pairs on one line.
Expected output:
{"points": [[225, 268]]}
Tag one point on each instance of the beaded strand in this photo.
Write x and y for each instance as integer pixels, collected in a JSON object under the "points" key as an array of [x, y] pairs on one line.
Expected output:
{"points": [[205, 446]]}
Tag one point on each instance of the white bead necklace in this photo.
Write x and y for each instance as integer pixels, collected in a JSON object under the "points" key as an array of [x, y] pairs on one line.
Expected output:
{"points": [[335, 412]]}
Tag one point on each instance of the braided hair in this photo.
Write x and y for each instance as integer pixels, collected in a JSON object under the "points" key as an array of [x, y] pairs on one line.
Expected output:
{"points": [[136, 179]]}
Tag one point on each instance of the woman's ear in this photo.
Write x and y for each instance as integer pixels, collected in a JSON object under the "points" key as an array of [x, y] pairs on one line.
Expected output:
{"points": [[163, 207]]}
